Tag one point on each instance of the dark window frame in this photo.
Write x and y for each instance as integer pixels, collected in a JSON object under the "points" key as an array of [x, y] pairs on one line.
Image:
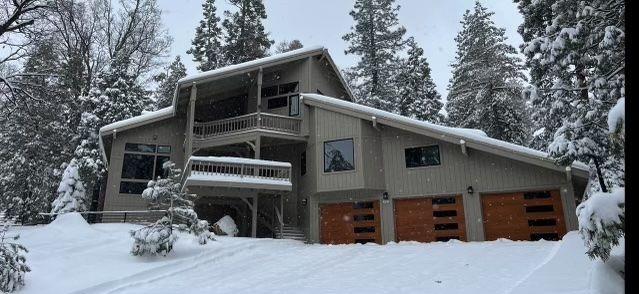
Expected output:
{"points": [[353, 150], [439, 156], [290, 105], [156, 155], [281, 94]]}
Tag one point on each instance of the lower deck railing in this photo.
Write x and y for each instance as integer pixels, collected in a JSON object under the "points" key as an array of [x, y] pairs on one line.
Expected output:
{"points": [[242, 169]]}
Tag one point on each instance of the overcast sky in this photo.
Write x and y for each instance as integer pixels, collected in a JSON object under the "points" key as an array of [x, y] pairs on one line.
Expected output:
{"points": [[433, 23]]}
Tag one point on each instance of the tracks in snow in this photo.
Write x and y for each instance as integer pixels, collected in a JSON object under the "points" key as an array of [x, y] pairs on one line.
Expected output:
{"points": [[166, 270]]}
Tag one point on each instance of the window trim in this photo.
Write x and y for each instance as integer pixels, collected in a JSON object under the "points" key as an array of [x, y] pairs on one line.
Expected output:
{"points": [[441, 160], [279, 95], [155, 158], [324, 159], [290, 105]]}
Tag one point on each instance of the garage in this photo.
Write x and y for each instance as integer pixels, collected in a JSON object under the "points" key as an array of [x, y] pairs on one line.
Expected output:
{"points": [[532, 215], [350, 222], [429, 219]]}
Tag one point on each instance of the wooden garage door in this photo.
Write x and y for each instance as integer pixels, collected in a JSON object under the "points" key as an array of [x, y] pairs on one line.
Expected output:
{"points": [[350, 222], [430, 219], [523, 216]]}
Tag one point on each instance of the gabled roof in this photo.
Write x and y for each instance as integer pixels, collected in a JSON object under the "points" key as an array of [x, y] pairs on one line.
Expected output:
{"points": [[253, 65], [471, 138], [140, 120]]}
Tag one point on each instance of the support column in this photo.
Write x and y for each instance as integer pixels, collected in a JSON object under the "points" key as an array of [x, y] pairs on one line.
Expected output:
{"points": [[259, 91], [254, 219], [190, 121], [258, 146]]}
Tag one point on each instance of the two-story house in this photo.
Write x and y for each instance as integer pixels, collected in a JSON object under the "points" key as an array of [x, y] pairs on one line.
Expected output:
{"points": [[279, 145]]}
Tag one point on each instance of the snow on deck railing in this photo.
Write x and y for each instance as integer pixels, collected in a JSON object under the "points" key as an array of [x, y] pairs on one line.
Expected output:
{"points": [[113, 216], [238, 167], [266, 121]]}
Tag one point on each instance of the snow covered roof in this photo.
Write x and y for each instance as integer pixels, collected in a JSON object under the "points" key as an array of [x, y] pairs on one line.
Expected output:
{"points": [[472, 138], [293, 54], [263, 62], [168, 112], [144, 118]]}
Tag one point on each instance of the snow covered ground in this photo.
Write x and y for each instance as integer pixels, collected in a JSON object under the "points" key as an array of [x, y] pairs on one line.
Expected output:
{"points": [[70, 256]]}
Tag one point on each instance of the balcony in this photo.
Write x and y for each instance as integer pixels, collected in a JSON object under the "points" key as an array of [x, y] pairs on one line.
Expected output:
{"points": [[265, 122], [237, 172]]}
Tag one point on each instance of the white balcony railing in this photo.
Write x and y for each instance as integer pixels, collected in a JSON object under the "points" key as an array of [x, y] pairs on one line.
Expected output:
{"points": [[237, 172], [265, 121]]}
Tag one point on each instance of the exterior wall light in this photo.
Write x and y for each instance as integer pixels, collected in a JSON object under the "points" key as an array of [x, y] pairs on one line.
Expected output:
{"points": [[470, 190], [304, 201], [385, 198]]}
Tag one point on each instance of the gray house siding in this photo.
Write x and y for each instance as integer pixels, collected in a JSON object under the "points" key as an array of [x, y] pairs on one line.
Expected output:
{"points": [[165, 132], [324, 79], [334, 126], [487, 173]]}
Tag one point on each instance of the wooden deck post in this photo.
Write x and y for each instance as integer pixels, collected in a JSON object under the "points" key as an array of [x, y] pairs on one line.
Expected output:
{"points": [[259, 91], [254, 219], [188, 148]]}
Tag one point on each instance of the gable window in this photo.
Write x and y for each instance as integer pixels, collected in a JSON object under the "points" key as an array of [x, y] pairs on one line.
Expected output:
{"points": [[339, 155], [283, 95], [277, 102], [422, 156], [141, 163]]}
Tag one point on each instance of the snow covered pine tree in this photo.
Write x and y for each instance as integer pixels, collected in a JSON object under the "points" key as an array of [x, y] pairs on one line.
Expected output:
{"points": [[576, 50], [207, 44], [71, 193], [485, 90], [159, 237], [245, 38], [167, 81], [376, 38], [418, 97], [13, 265]]}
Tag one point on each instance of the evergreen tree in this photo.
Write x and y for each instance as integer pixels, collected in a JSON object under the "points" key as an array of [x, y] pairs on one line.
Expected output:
{"points": [[376, 38], [167, 193], [581, 48], [207, 45], [418, 97], [13, 263], [115, 96], [35, 140], [245, 36], [602, 221], [167, 83], [71, 194], [286, 46], [548, 108], [484, 92]]}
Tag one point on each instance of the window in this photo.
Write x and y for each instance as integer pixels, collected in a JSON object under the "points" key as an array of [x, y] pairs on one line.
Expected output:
{"points": [[422, 156], [289, 88], [138, 166], [269, 91], [139, 147], [276, 102], [294, 105], [339, 155], [141, 163], [283, 95], [303, 163]]}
